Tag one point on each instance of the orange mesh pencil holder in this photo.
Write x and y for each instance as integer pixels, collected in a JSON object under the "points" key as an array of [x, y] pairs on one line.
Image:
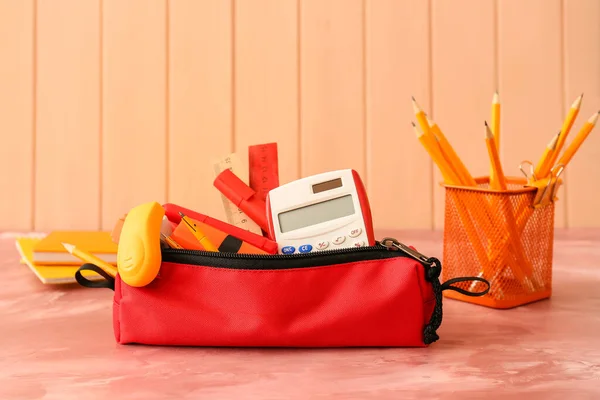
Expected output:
{"points": [[500, 236]]}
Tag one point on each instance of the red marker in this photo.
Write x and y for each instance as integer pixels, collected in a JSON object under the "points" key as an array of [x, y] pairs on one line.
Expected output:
{"points": [[172, 213], [243, 197]]}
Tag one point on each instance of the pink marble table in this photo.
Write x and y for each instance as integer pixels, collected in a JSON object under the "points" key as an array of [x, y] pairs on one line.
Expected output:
{"points": [[57, 343]]}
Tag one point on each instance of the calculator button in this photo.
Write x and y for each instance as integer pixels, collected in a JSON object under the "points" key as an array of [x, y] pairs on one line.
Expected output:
{"points": [[305, 248], [359, 243], [339, 239], [288, 249], [322, 245], [355, 232]]}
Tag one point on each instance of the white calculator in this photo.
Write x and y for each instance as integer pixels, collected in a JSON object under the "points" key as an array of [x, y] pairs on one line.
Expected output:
{"points": [[320, 212]]}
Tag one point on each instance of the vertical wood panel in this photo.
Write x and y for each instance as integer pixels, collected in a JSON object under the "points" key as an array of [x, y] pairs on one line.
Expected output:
{"points": [[332, 104], [397, 66], [134, 105], [463, 55], [530, 81], [266, 80], [16, 113], [68, 115], [582, 74], [200, 111]]}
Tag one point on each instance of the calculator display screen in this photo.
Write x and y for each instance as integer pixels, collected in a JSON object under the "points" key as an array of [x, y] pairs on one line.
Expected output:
{"points": [[316, 213]]}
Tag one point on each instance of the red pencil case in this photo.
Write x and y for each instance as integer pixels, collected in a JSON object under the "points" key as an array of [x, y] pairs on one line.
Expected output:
{"points": [[382, 295]]}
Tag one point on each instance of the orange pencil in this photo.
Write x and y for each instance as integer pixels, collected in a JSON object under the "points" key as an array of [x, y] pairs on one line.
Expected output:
{"points": [[421, 118], [544, 165], [566, 128], [450, 155], [430, 145], [579, 139]]}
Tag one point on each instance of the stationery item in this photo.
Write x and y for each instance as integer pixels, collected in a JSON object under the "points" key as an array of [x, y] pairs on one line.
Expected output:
{"points": [[500, 182], [50, 274], [495, 128], [453, 160], [224, 242], [242, 196], [325, 211], [222, 230], [235, 216], [50, 250], [495, 119], [430, 146], [264, 168], [169, 241], [543, 165], [90, 258], [385, 295], [198, 234], [566, 128], [421, 118], [578, 141], [139, 253]]}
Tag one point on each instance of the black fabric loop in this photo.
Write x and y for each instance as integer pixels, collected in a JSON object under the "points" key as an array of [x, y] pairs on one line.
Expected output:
{"points": [[433, 269], [108, 282], [448, 285]]}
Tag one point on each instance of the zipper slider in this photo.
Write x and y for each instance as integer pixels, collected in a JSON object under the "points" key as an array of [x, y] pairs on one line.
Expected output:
{"points": [[394, 245]]}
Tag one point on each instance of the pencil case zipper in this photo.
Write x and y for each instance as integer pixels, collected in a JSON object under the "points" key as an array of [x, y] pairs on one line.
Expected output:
{"points": [[387, 248]]}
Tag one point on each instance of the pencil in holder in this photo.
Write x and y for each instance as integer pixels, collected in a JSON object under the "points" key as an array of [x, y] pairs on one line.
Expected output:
{"points": [[502, 237]]}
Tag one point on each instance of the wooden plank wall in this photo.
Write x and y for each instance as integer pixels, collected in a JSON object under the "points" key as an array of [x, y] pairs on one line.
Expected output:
{"points": [[105, 104]]}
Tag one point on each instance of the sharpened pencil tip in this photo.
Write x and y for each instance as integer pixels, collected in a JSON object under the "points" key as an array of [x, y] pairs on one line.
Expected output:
{"points": [[577, 103], [594, 118], [417, 131], [69, 247], [413, 124], [488, 132], [413, 98], [554, 141], [496, 98]]}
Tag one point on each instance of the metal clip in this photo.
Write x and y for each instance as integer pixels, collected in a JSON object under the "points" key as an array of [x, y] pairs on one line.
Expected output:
{"points": [[532, 176], [393, 245]]}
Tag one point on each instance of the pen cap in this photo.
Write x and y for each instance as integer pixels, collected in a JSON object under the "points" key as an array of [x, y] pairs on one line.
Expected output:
{"points": [[233, 187]]}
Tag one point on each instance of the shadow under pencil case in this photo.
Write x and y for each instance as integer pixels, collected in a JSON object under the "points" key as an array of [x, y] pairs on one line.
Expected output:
{"points": [[383, 295]]}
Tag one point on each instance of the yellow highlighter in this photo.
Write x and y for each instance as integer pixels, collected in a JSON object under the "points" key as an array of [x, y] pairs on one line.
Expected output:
{"points": [[198, 234], [89, 258]]}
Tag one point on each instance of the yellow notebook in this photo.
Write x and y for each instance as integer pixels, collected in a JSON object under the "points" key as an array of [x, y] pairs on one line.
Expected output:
{"points": [[51, 251], [50, 274]]}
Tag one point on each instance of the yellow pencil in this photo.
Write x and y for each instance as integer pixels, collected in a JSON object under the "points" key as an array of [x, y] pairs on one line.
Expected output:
{"points": [[89, 258], [450, 155], [579, 139], [170, 241], [500, 182], [431, 147], [421, 118], [198, 234], [543, 166], [495, 121], [566, 128]]}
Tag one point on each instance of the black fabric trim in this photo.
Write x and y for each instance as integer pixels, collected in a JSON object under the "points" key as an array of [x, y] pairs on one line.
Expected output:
{"points": [[108, 282], [230, 244], [432, 274]]}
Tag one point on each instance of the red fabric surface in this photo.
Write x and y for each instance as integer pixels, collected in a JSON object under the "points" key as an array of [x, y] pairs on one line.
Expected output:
{"points": [[369, 303]]}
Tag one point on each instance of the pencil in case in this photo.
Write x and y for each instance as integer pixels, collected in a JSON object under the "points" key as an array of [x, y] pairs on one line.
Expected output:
{"points": [[383, 295]]}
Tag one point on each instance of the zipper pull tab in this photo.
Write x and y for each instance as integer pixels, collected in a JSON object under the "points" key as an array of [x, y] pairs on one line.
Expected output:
{"points": [[394, 245]]}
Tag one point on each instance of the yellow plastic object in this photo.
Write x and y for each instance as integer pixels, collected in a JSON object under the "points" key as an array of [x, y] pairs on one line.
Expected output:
{"points": [[139, 256]]}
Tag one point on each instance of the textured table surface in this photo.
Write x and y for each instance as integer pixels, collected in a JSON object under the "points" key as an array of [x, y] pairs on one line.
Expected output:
{"points": [[57, 343]]}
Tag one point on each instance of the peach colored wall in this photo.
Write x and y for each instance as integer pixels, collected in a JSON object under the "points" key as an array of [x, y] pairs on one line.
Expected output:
{"points": [[105, 104]]}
